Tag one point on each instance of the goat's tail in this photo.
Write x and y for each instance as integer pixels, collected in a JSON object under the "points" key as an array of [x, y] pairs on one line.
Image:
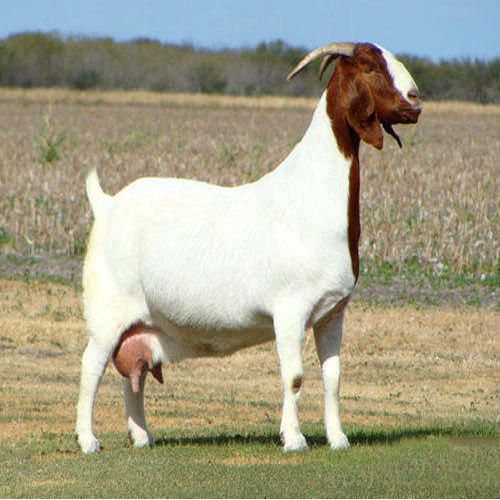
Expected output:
{"points": [[99, 200]]}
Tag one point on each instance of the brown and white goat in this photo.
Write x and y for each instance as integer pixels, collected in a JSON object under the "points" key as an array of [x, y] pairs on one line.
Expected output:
{"points": [[178, 268]]}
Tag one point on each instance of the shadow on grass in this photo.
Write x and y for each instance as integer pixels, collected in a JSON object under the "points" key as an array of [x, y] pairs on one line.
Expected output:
{"points": [[356, 436]]}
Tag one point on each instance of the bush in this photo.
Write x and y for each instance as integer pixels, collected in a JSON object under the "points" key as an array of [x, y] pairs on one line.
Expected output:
{"points": [[205, 78], [86, 79]]}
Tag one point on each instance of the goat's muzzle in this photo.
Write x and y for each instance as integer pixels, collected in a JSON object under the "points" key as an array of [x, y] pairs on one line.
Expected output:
{"points": [[409, 114]]}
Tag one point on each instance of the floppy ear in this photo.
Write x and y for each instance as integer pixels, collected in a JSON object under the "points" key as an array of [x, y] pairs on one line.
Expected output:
{"points": [[362, 116]]}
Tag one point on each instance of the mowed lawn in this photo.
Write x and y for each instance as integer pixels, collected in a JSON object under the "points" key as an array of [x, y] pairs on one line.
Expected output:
{"points": [[461, 463], [419, 402]]}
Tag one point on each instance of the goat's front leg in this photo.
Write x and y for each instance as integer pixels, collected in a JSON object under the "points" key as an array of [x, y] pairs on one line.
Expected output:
{"points": [[328, 338], [289, 336], [134, 412]]}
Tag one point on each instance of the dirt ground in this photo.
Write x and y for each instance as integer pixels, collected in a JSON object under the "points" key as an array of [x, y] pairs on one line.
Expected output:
{"points": [[400, 365]]}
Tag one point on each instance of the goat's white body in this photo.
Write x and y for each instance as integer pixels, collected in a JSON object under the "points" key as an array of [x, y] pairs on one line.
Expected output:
{"points": [[216, 269], [209, 265]]}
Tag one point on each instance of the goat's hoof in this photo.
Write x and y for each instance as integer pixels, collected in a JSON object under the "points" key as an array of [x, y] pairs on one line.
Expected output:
{"points": [[296, 442], [89, 443], [339, 441], [141, 439]]}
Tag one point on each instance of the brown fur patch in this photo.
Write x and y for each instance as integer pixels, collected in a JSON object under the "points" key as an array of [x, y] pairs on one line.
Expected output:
{"points": [[360, 98], [297, 384]]}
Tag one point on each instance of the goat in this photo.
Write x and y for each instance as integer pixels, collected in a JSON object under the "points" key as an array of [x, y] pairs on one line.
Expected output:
{"points": [[178, 268]]}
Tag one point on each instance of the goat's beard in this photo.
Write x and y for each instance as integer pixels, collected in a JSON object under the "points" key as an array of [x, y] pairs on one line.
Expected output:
{"points": [[388, 128]]}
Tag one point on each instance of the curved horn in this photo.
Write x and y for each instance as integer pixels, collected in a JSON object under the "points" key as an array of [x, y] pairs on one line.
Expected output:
{"points": [[334, 49]]}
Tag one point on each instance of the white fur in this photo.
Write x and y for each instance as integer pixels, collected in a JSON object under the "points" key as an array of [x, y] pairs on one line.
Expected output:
{"points": [[217, 269], [400, 76]]}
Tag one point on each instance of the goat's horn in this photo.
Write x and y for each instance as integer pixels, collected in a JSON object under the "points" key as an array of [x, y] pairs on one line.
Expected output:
{"points": [[331, 51]]}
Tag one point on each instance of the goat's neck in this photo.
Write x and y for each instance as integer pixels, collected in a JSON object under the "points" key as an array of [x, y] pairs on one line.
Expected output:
{"points": [[323, 154], [323, 178]]}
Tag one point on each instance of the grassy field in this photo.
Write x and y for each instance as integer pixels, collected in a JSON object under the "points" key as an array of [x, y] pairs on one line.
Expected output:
{"points": [[419, 402], [420, 355]]}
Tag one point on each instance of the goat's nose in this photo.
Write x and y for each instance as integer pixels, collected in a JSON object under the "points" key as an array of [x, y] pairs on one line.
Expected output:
{"points": [[414, 97]]}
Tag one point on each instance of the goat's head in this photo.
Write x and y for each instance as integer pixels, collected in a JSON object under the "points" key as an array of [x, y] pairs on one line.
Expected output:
{"points": [[368, 89]]}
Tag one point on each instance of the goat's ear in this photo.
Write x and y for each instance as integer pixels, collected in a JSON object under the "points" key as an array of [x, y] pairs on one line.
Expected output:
{"points": [[362, 116]]}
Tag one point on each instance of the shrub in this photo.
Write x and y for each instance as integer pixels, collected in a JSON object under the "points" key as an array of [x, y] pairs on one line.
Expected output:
{"points": [[48, 142]]}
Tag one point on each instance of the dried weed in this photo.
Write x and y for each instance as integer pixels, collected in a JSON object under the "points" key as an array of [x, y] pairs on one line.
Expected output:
{"points": [[435, 201]]}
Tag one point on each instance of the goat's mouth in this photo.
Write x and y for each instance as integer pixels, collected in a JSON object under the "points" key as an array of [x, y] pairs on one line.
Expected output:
{"points": [[409, 114], [405, 116]]}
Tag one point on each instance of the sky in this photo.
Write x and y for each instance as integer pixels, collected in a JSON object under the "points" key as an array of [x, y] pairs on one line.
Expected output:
{"points": [[438, 29]]}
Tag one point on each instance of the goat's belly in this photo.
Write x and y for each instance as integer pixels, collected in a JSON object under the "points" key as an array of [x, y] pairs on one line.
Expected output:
{"points": [[180, 342]]}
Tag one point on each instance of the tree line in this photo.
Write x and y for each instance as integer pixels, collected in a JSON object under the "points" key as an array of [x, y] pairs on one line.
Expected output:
{"points": [[51, 60]]}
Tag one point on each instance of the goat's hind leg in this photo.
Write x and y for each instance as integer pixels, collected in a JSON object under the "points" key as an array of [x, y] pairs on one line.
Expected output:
{"points": [[134, 413], [94, 361]]}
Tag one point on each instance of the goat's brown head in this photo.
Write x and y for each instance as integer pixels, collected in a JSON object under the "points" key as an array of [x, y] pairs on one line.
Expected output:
{"points": [[369, 89]]}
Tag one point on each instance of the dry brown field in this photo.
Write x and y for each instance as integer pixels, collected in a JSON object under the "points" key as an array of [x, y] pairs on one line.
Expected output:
{"points": [[402, 367], [435, 200], [409, 369]]}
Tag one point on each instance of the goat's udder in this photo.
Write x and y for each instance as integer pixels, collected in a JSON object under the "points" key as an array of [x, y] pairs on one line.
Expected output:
{"points": [[133, 356]]}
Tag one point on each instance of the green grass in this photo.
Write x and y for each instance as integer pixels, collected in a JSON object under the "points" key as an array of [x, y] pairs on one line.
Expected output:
{"points": [[133, 140], [5, 238], [437, 276], [415, 283], [435, 461], [427, 284]]}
